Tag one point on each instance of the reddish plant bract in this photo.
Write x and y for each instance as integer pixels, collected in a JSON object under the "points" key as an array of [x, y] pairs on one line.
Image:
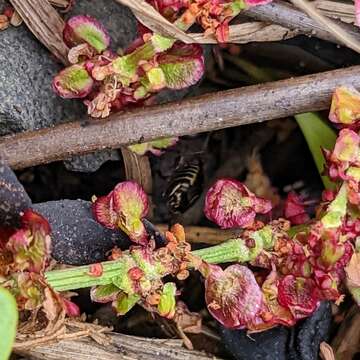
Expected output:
{"points": [[231, 204], [294, 210], [123, 208], [233, 296], [298, 294]]}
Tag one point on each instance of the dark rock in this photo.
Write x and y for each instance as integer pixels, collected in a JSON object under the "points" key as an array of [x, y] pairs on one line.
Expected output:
{"points": [[77, 238], [13, 197], [312, 331], [301, 342], [91, 162], [267, 345], [27, 101]]}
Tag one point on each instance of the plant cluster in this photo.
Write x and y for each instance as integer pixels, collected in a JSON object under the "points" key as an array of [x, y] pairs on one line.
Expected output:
{"points": [[285, 271], [281, 272], [24, 255], [108, 82]]}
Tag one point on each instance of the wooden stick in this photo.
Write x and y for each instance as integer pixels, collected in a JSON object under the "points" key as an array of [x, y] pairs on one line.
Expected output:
{"points": [[45, 23], [224, 109], [334, 27], [203, 234], [284, 14], [122, 347], [337, 10], [254, 31], [137, 168]]}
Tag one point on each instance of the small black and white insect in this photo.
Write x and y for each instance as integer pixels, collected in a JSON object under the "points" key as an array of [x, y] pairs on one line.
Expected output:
{"points": [[185, 185]]}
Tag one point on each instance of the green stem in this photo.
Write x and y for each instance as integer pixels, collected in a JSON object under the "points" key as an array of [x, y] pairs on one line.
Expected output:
{"points": [[78, 277], [233, 250]]}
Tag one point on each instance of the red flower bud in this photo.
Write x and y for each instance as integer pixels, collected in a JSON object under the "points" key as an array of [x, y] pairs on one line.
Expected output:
{"points": [[231, 204]]}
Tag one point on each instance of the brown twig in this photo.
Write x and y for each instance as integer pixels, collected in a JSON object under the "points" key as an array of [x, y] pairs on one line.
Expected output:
{"points": [[332, 26], [284, 14], [45, 23], [337, 10], [203, 234], [205, 113], [250, 32], [122, 347], [136, 165]]}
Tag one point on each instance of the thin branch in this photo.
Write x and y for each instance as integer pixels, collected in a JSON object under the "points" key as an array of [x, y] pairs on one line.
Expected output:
{"points": [[195, 115], [250, 32], [286, 15], [335, 29], [338, 10], [203, 234]]}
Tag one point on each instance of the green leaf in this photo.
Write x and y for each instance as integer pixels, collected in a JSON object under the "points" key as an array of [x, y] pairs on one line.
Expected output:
{"points": [[73, 82], [318, 134], [156, 147], [84, 28], [336, 210], [8, 323], [167, 304], [124, 303]]}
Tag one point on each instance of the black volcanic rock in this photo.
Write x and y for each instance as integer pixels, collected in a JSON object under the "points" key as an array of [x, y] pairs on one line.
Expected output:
{"points": [[301, 342], [13, 197], [77, 239]]}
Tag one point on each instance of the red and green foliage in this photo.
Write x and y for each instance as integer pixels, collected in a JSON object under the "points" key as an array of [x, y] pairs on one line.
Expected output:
{"points": [[24, 255], [108, 82], [291, 269]]}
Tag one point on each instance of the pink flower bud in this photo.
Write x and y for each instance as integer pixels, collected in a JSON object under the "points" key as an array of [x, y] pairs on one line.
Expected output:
{"points": [[231, 204], [294, 210], [182, 65], [345, 107]]}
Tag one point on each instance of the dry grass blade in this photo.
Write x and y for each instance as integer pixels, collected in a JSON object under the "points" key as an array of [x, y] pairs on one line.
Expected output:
{"points": [[137, 168], [121, 347], [149, 17], [202, 234], [45, 23], [335, 29], [326, 351], [337, 10], [346, 343], [60, 3], [250, 32], [240, 34]]}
